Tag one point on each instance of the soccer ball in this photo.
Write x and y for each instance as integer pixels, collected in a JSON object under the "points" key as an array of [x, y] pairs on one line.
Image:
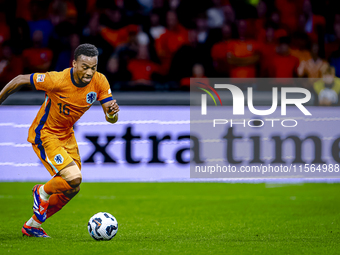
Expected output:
{"points": [[102, 226]]}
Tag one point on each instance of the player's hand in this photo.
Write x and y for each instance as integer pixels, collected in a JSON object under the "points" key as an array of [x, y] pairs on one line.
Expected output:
{"points": [[113, 107]]}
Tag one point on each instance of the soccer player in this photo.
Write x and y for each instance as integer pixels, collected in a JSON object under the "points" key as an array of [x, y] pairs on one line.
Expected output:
{"points": [[68, 95]]}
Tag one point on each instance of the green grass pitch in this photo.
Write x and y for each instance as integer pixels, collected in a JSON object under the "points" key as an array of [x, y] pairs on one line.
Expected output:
{"points": [[182, 218]]}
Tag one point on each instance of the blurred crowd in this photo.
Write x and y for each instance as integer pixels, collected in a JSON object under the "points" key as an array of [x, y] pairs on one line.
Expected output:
{"points": [[160, 44]]}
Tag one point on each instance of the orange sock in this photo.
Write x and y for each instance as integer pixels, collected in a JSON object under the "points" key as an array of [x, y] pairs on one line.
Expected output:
{"points": [[56, 202], [36, 219], [56, 185]]}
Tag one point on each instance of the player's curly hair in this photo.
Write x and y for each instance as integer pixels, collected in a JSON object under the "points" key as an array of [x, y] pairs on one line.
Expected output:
{"points": [[86, 49]]}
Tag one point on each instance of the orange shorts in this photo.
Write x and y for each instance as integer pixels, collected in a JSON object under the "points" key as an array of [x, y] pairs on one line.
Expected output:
{"points": [[57, 153]]}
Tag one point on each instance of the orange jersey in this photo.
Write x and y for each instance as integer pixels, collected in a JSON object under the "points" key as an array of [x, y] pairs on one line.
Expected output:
{"points": [[65, 103]]}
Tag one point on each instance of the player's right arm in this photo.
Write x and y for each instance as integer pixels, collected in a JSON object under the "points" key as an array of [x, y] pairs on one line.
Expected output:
{"points": [[13, 86]]}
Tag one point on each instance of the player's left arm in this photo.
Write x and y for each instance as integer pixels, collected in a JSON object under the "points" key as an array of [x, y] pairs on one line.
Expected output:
{"points": [[110, 107], [111, 110]]}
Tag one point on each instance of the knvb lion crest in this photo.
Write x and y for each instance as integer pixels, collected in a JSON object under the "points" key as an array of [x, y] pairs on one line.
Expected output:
{"points": [[91, 97], [58, 159]]}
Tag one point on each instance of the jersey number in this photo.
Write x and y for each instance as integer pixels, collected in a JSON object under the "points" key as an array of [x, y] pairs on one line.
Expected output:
{"points": [[64, 109]]}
